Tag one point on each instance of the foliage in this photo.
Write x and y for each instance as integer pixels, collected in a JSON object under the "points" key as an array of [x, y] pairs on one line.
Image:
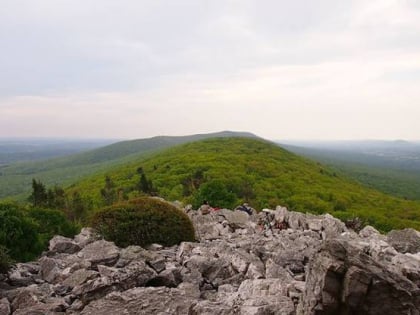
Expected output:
{"points": [[53, 198], [39, 196], [51, 222], [15, 179], [216, 193], [74, 208], [25, 232], [78, 207], [389, 167], [18, 233], [144, 221], [5, 260], [262, 174], [56, 198], [144, 185], [108, 192]]}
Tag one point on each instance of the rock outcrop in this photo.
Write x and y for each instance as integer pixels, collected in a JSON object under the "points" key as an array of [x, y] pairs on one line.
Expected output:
{"points": [[275, 262]]}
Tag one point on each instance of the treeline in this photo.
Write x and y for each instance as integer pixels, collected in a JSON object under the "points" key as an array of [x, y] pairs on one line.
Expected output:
{"points": [[73, 206], [111, 194], [77, 207]]}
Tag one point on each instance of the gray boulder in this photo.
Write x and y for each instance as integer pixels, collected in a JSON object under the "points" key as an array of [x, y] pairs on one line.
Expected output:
{"points": [[405, 241], [37, 300], [263, 296], [86, 236], [4, 307], [79, 277], [50, 270], [341, 279], [236, 219], [137, 273], [369, 232], [160, 300], [408, 265], [23, 274], [60, 244], [100, 252]]}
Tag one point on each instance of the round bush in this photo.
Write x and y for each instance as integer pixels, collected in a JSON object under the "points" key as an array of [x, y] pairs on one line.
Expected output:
{"points": [[142, 222]]}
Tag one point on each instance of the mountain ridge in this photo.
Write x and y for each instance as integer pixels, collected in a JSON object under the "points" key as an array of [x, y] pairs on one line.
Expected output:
{"points": [[229, 171], [15, 179]]}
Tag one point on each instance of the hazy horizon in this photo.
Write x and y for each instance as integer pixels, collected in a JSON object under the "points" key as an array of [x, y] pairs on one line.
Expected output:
{"points": [[285, 140], [299, 70]]}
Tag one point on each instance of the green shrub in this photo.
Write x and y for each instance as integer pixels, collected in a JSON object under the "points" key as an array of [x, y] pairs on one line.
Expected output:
{"points": [[18, 233], [142, 222], [51, 222], [5, 260]]}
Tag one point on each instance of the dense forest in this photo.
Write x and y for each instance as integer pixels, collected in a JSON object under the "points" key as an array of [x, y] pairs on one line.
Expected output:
{"points": [[15, 178], [234, 170], [392, 167]]}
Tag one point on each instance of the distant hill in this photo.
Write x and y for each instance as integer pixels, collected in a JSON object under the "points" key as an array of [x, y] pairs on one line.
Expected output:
{"points": [[389, 166], [229, 171], [15, 179], [14, 150]]}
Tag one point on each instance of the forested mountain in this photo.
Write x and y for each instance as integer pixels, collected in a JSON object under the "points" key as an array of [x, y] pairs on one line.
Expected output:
{"points": [[16, 178], [230, 171]]}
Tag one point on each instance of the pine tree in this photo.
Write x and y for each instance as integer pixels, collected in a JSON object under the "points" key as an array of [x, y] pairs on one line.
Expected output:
{"points": [[39, 196], [108, 193], [78, 207]]}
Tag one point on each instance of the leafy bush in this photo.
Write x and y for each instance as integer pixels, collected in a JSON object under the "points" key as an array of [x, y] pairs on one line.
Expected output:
{"points": [[5, 260], [144, 221], [25, 233], [18, 233], [51, 222]]}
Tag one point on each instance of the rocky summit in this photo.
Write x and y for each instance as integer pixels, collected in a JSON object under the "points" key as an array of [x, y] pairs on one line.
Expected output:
{"points": [[274, 262]]}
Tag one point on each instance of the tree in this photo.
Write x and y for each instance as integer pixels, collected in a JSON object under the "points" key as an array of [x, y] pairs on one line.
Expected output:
{"points": [[144, 185], [77, 207], [56, 198], [193, 182], [108, 193], [39, 196], [247, 191], [216, 193]]}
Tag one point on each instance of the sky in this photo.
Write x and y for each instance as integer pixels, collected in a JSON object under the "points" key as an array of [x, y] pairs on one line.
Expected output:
{"points": [[132, 69]]}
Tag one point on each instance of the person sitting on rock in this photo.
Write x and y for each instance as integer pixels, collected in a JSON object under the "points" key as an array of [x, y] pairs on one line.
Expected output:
{"points": [[245, 207], [205, 208]]}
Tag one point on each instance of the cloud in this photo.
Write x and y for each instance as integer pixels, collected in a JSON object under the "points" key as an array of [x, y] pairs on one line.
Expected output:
{"points": [[297, 69]]}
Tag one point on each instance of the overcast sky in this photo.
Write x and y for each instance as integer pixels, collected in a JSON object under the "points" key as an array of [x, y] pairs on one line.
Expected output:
{"points": [[281, 69]]}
